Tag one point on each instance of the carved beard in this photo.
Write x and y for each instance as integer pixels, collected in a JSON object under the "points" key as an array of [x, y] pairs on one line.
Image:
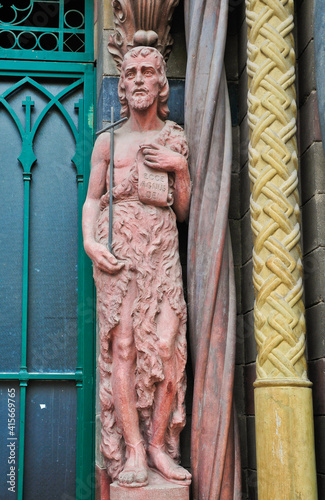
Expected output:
{"points": [[141, 102]]}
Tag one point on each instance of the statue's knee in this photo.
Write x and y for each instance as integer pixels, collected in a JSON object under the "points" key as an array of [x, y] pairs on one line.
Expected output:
{"points": [[125, 349], [166, 348]]}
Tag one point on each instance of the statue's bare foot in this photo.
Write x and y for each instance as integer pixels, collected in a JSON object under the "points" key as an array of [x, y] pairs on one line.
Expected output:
{"points": [[166, 467], [135, 472]]}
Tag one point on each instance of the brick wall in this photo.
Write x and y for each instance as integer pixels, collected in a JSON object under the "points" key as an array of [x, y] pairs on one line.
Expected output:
{"points": [[239, 220], [312, 186]]}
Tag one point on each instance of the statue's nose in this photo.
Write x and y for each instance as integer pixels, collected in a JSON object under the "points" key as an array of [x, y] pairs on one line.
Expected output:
{"points": [[138, 77]]}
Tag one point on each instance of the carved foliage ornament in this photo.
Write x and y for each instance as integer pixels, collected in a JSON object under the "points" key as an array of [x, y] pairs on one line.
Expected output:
{"points": [[141, 22]]}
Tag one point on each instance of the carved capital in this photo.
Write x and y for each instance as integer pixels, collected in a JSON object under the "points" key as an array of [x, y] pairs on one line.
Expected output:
{"points": [[141, 22]]}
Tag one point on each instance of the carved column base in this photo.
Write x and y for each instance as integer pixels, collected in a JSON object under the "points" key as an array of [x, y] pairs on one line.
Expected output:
{"points": [[157, 489], [285, 443]]}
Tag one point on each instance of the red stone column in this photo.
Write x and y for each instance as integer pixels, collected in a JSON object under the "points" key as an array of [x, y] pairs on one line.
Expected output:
{"points": [[211, 290]]}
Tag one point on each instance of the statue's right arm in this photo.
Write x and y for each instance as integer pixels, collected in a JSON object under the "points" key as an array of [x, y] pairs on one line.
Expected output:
{"points": [[98, 253]]}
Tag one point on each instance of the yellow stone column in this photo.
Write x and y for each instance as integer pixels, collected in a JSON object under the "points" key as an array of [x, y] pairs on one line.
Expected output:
{"points": [[283, 403]]}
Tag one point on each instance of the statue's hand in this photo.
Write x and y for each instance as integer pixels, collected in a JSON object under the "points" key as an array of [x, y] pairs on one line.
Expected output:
{"points": [[161, 158], [102, 258]]}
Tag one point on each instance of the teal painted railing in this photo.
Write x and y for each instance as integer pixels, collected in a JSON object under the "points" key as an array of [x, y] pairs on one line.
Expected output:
{"points": [[47, 30]]}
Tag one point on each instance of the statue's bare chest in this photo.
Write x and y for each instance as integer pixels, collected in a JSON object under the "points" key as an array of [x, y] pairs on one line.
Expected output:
{"points": [[126, 148]]}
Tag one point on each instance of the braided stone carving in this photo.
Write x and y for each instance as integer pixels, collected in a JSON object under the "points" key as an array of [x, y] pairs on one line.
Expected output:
{"points": [[277, 275]]}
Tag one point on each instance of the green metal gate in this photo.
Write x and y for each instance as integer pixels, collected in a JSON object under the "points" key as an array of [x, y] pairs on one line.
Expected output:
{"points": [[46, 288]]}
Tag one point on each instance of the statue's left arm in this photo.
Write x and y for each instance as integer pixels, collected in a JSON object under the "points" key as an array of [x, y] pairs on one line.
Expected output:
{"points": [[162, 158]]}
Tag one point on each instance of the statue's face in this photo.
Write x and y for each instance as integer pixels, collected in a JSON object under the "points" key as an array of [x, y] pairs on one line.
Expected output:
{"points": [[141, 82]]}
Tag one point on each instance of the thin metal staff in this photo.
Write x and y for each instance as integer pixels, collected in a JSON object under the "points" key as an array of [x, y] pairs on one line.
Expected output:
{"points": [[111, 127]]}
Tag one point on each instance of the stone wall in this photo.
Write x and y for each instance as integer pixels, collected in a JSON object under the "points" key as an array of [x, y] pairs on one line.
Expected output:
{"points": [[242, 242], [312, 175]]}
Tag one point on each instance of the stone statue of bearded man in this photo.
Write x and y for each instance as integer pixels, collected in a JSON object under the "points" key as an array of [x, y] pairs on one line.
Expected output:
{"points": [[141, 308]]}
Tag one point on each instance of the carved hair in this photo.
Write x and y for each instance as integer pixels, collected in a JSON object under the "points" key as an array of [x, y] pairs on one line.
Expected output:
{"points": [[160, 64]]}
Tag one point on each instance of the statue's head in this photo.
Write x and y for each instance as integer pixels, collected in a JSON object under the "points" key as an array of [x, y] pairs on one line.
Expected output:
{"points": [[144, 57]]}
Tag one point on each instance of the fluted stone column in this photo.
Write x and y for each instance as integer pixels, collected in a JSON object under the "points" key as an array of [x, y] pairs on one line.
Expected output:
{"points": [[283, 400]]}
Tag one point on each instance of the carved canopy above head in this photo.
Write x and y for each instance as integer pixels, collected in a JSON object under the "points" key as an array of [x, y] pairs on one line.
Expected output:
{"points": [[141, 22]]}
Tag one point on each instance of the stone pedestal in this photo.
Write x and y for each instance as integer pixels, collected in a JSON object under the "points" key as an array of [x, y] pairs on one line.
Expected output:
{"points": [[157, 489]]}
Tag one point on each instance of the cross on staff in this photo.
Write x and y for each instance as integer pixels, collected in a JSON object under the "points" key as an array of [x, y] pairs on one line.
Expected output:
{"points": [[111, 127]]}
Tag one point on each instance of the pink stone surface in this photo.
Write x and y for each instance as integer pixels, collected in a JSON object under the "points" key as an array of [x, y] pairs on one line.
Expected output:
{"points": [[140, 302], [157, 489]]}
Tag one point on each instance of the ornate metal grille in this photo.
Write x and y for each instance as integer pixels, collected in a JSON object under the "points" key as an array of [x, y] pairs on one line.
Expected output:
{"points": [[44, 29]]}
